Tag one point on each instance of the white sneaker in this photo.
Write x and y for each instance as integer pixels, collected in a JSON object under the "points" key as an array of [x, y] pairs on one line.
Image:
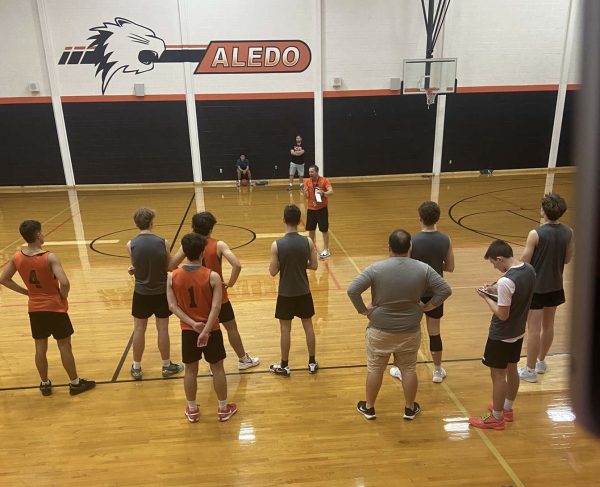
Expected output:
{"points": [[540, 367], [525, 375], [395, 372], [247, 362], [324, 254], [438, 375]]}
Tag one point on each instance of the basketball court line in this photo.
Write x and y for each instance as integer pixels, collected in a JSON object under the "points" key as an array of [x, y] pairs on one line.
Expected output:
{"points": [[130, 342], [486, 441]]}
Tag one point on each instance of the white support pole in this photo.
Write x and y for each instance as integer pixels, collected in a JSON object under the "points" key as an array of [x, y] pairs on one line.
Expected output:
{"points": [[59, 118], [440, 117], [317, 59], [563, 82], [190, 99]]}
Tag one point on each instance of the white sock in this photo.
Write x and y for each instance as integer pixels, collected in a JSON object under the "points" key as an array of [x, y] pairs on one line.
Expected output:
{"points": [[244, 357], [166, 363], [223, 404], [75, 382], [497, 414], [437, 368], [192, 405], [46, 382], [530, 370], [507, 405], [137, 365]]}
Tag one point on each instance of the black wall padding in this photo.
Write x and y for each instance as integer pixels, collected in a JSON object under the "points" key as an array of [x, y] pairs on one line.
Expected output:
{"points": [[29, 152], [264, 130], [566, 145], [129, 142], [378, 135], [498, 130]]}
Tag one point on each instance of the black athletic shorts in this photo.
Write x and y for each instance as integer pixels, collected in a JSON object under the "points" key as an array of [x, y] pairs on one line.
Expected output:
{"points": [[143, 306], [213, 352], [435, 313], [226, 314], [547, 300], [320, 216], [300, 306], [46, 323], [499, 354]]}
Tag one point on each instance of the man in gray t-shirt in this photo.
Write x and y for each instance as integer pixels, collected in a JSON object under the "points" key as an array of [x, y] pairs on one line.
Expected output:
{"points": [[394, 313], [290, 257]]}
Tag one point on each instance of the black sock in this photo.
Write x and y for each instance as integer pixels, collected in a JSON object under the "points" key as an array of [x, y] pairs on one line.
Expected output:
{"points": [[284, 364], [311, 359]]}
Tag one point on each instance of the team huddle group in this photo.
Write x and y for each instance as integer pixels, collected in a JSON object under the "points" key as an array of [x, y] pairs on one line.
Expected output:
{"points": [[403, 287]]}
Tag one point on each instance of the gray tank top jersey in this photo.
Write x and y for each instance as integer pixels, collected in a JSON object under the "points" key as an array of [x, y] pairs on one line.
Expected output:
{"points": [[293, 251], [514, 326], [548, 258], [149, 257], [431, 248]]}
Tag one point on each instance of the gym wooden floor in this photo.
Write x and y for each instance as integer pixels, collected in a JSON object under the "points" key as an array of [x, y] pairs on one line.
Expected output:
{"points": [[298, 431]]}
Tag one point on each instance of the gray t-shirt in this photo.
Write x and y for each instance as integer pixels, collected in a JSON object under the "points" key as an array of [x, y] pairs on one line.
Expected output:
{"points": [[149, 257], [293, 251], [548, 258], [397, 285]]}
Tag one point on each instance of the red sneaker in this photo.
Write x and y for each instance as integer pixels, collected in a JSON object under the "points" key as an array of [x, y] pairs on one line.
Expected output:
{"points": [[192, 415], [507, 413], [487, 421], [225, 414]]}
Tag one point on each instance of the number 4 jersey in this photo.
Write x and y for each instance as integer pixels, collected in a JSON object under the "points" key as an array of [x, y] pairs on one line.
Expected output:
{"points": [[41, 283], [191, 285]]}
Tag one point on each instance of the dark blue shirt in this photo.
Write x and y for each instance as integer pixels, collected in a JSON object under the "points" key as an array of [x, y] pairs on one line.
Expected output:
{"points": [[242, 164]]}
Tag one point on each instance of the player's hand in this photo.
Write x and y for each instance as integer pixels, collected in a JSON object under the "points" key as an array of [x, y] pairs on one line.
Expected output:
{"points": [[480, 292], [131, 270], [202, 340], [369, 310], [198, 326]]}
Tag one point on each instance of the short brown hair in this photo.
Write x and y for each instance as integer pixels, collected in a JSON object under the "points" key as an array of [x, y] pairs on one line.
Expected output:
{"points": [[143, 218], [29, 230], [498, 248], [429, 212], [554, 206]]}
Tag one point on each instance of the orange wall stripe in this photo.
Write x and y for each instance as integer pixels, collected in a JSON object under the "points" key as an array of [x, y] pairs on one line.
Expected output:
{"points": [[255, 96], [505, 88], [120, 98], [348, 93], [25, 99]]}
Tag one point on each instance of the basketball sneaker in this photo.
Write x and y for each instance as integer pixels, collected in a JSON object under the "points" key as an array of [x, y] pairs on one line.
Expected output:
{"points": [[395, 372], [439, 375], [46, 389], [225, 414], [313, 367], [507, 414], [171, 369], [247, 362], [526, 375], [487, 421], [362, 408], [192, 415], [84, 385], [411, 413], [324, 254], [289, 187], [540, 367], [136, 373], [277, 369]]}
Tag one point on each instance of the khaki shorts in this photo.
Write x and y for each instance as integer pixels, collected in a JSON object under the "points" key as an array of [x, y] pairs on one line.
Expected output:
{"points": [[381, 344]]}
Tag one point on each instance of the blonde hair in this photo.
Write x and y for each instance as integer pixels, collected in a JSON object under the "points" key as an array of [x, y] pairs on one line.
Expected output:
{"points": [[143, 218]]}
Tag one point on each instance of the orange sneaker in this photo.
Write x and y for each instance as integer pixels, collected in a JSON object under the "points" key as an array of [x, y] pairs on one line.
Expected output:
{"points": [[225, 414], [507, 413], [487, 421], [192, 415]]}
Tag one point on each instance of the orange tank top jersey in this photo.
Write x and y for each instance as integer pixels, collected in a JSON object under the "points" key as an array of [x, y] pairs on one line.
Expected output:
{"points": [[212, 261], [310, 186], [193, 293], [41, 283]]}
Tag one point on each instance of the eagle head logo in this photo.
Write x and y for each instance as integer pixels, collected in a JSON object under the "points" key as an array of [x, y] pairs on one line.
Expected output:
{"points": [[124, 46]]}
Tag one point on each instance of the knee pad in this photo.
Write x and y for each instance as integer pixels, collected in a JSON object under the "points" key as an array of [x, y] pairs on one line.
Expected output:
{"points": [[435, 343]]}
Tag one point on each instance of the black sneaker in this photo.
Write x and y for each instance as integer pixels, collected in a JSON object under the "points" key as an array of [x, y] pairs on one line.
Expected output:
{"points": [[411, 413], [46, 389], [84, 385], [362, 408]]}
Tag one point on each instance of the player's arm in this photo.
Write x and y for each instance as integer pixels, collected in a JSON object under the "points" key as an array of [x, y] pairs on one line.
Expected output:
{"points": [[131, 268], [313, 260], [59, 273], [293, 152], [236, 267], [6, 278], [530, 245], [215, 307], [449, 259], [274, 262], [173, 306], [359, 285], [501, 309], [176, 259], [570, 249], [501, 312], [329, 189]]}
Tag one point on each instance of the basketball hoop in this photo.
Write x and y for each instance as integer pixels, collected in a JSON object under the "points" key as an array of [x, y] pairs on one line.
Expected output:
{"points": [[430, 93]]}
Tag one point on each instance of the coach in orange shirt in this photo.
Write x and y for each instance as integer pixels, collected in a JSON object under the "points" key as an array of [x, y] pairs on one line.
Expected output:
{"points": [[48, 289], [317, 189]]}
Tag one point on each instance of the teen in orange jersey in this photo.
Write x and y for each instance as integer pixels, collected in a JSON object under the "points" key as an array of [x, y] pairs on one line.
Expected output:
{"points": [[48, 289], [194, 293]]}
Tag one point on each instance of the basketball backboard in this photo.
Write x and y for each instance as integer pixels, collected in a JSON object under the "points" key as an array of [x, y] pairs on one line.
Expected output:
{"points": [[429, 76]]}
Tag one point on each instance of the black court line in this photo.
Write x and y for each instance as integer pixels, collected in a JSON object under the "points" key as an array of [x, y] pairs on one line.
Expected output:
{"points": [[129, 343], [523, 216], [460, 220], [265, 371]]}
